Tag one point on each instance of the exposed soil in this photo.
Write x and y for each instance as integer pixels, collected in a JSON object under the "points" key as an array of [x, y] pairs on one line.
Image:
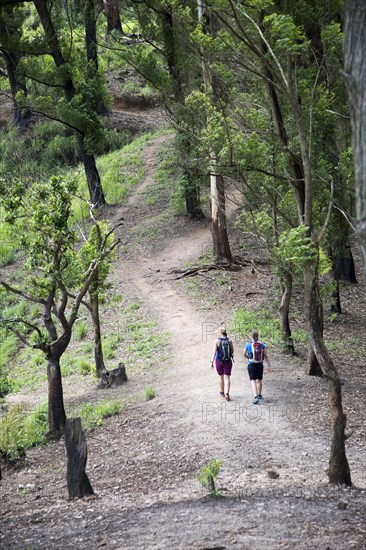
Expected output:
{"points": [[143, 464]]}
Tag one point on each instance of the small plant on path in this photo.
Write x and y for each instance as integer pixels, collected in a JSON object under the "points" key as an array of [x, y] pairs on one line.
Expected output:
{"points": [[207, 477], [149, 394]]}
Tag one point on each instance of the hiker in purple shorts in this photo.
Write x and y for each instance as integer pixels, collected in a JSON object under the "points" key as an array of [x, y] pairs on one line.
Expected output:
{"points": [[222, 356]]}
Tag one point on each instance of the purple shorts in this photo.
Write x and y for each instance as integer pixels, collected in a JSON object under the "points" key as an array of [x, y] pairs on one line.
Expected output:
{"points": [[223, 367]]}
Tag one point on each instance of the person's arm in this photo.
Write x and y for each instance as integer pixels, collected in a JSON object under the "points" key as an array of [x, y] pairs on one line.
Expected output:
{"points": [[214, 353], [246, 353], [267, 360], [231, 348]]}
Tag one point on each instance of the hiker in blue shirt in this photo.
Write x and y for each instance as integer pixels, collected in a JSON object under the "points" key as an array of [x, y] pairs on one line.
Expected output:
{"points": [[255, 351], [222, 356]]}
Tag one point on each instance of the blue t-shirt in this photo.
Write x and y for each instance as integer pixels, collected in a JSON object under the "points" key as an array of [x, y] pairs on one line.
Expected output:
{"points": [[248, 347]]}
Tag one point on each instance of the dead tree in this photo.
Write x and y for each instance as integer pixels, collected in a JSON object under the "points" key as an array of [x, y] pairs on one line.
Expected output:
{"points": [[78, 483]]}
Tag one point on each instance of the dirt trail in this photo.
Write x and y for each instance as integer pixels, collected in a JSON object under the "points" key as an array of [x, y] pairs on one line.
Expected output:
{"points": [[273, 481]]}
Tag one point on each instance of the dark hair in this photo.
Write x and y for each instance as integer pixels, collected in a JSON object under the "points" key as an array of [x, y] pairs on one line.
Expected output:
{"points": [[255, 335]]}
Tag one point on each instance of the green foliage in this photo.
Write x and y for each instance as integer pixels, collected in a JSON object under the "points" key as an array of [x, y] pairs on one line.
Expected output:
{"points": [[296, 248], [245, 321], [8, 343], [207, 476], [93, 414], [20, 430], [149, 393], [286, 36], [110, 345], [80, 330]]}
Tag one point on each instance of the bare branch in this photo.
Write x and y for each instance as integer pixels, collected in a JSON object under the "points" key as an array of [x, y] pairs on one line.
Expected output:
{"points": [[327, 218]]}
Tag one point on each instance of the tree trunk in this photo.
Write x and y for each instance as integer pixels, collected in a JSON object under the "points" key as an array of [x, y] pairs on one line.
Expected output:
{"points": [[284, 313], [338, 471], [92, 51], [92, 175], [295, 162], [221, 246], [114, 377], [17, 84], [355, 70], [112, 13], [192, 196], [98, 349], [56, 410], [78, 483]]}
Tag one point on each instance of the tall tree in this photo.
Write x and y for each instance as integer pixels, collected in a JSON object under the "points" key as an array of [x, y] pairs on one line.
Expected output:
{"points": [[11, 19], [273, 49], [112, 13], [92, 176], [355, 70]]}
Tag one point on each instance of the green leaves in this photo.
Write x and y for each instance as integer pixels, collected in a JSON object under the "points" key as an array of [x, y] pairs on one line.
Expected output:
{"points": [[285, 35], [296, 248]]}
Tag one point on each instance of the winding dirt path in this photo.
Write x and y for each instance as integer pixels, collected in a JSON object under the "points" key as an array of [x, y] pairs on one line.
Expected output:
{"points": [[145, 463]]}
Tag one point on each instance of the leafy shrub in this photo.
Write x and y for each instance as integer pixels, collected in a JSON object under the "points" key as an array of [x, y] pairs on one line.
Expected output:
{"points": [[208, 474], [20, 430], [149, 394]]}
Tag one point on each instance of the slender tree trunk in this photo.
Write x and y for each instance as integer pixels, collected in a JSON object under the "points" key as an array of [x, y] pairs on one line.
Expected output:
{"points": [[98, 349], [112, 13], [284, 310], [21, 116], [355, 70], [295, 162], [56, 410], [92, 175], [91, 171], [338, 471], [92, 50], [221, 246]]}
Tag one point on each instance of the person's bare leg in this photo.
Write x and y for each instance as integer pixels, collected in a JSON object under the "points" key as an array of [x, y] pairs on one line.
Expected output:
{"points": [[254, 387], [221, 383], [259, 387], [227, 384]]}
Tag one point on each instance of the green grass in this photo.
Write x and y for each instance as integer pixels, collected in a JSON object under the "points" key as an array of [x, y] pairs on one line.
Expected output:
{"points": [[20, 430], [30, 371], [268, 326], [149, 393], [93, 414], [110, 345], [266, 323], [80, 330], [120, 171]]}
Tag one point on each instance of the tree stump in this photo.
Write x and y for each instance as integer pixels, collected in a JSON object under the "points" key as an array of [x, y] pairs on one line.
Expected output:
{"points": [[114, 377], [78, 483]]}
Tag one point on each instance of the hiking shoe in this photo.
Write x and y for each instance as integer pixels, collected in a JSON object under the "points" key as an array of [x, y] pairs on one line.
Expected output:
{"points": [[260, 396], [256, 400], [221, 394], [227, 397]]}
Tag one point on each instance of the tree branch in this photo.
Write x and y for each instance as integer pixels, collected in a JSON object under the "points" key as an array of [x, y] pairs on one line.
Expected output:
{"points": [[22, 294]]}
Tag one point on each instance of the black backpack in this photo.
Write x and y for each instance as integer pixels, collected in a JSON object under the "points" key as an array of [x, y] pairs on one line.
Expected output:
{"points": [[224, 349]]}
